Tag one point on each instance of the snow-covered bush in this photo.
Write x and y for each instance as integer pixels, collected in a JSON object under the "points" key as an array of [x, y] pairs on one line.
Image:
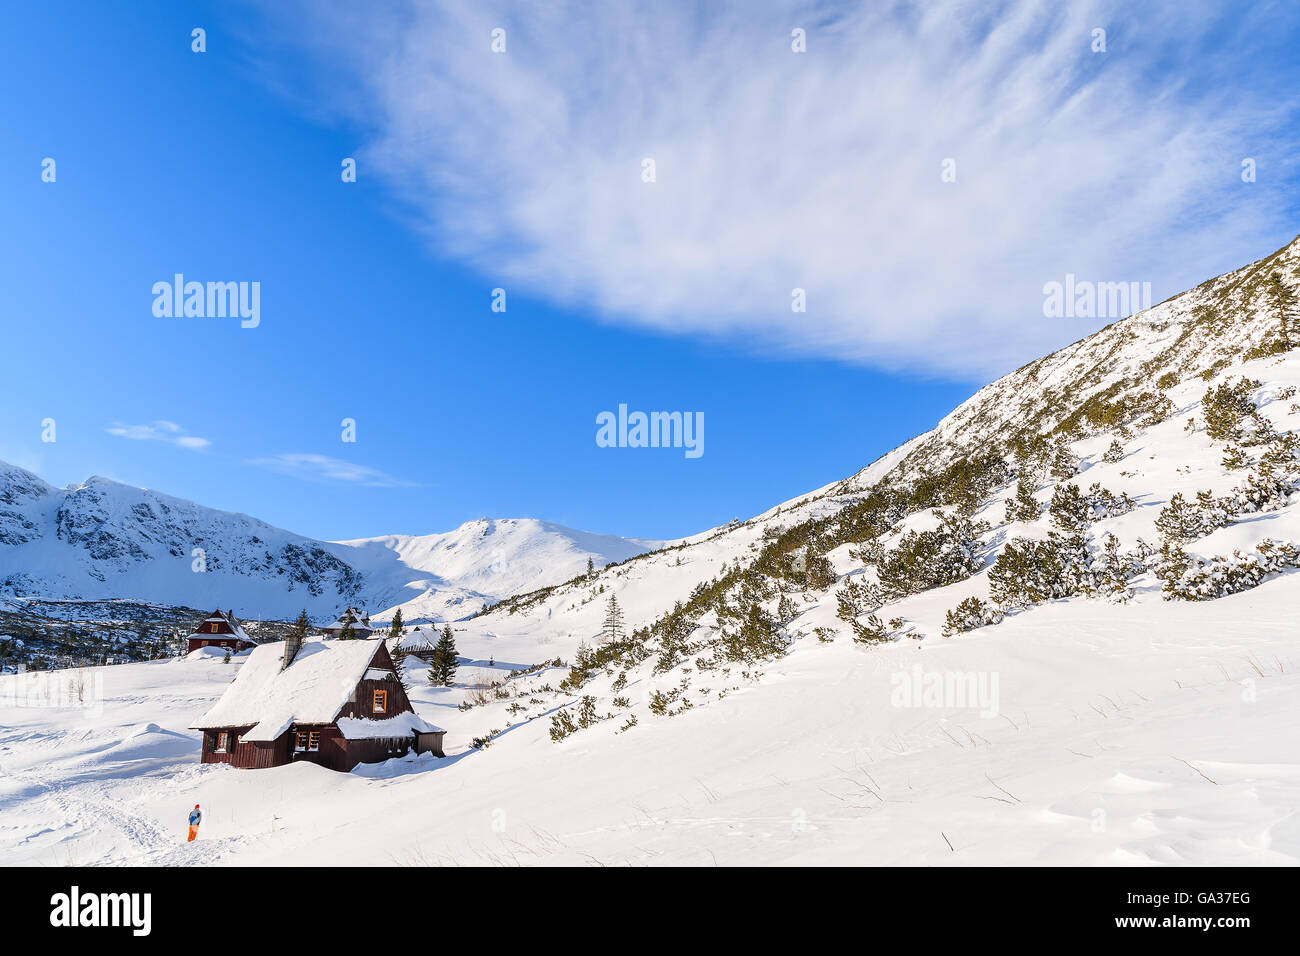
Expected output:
{"points": [[970, 614], [1182, 520], [1023, 506], [1069, 510], [1234, 457], [856, 597], [1114, 453], [1111, 570], [1072, 511], [1227, 406], [562, 725], [1272, 481], [1041, 457], [1267, 487], [870, 631], [1188, 577], [1030, 571], [1103, 503], [931, 559], [757, 636]]}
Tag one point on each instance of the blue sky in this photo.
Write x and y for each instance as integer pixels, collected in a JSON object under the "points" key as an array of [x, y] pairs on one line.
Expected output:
{"points": [[522, 170]]}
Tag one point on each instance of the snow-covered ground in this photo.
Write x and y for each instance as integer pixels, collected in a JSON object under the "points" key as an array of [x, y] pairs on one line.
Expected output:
{"points": [[1150, 733]]}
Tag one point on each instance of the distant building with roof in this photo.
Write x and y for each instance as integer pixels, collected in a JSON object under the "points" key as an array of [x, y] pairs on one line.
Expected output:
{"points": [[219, 629], [359, 623]]}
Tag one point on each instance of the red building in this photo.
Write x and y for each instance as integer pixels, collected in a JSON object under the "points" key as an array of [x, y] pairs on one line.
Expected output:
{"points": [[219, 630], [329, 702]]}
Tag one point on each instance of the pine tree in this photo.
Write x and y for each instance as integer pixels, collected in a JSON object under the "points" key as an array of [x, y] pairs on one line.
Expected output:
{"points": [[298, 633], [1114, 453], [970, 614], [1283, 303], [398, 653], [612, 631], [1069, 509], [396, 629], [1023, 506], [442, 669], [591, 568], [1063, 463]]}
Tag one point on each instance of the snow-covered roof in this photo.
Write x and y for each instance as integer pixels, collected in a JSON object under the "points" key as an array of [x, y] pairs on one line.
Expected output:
{"points": [[357, 625], [399, 725], [217, 617], [312, 690]]}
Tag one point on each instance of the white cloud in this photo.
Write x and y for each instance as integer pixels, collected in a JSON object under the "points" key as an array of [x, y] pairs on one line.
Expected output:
{"points": [[163, 431], [324, 468], [821, 170]]}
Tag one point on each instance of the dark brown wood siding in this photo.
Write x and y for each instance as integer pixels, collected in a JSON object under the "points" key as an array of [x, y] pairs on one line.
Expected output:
{"points": [[245, 754]]}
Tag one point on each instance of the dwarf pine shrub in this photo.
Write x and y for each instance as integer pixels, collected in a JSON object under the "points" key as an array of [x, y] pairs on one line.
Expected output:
{"points": [[1023, 506], [1227, 406], [1031, 571], [970, 614], [1111, 570], [1187, 577], [930, 559], [870, 631], [1073, 511], [856, 597]]}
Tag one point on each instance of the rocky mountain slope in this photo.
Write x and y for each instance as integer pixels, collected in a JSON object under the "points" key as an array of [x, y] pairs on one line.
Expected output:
{"points": [[102, 539]]}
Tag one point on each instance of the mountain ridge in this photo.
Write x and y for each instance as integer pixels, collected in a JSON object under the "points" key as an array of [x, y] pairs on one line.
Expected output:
{"points": [[101, 538]]}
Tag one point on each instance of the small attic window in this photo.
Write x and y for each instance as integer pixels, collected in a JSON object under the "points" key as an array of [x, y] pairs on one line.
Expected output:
{"points": [[381, 702]]}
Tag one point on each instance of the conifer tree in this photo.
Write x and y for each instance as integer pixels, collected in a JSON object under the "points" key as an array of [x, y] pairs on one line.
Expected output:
{"points": [[396, 629], [1023, 506], [298, 633], [1283, 303], [612, 631], [442, 669]]}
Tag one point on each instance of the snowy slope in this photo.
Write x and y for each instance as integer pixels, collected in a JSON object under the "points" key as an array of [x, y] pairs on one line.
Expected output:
{"points": [[1135, 736], [104, 539], [489, 558], [1083, 730]]}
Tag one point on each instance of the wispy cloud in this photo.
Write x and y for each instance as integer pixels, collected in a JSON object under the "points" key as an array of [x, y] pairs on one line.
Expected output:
{"points": [[163, 431], [822, 170], [324, 468]]}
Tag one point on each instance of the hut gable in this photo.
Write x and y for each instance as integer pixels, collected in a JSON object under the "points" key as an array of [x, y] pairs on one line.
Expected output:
{"points": [[219, 629]]}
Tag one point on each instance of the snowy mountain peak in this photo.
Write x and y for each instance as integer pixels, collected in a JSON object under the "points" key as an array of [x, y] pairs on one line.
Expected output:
{"points": [[100, 538]]}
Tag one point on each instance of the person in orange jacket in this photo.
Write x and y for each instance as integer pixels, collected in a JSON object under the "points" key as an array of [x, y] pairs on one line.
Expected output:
{"points": [[196, 817]]}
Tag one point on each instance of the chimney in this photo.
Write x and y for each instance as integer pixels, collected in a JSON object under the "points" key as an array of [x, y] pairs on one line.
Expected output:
{"points": [[292, 645], [231, 614]]}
